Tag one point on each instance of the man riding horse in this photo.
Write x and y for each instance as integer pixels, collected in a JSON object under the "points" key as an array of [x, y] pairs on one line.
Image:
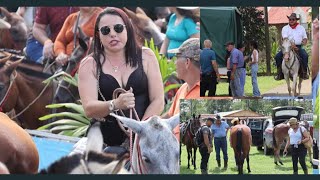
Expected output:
{"points": [[298, 34]]}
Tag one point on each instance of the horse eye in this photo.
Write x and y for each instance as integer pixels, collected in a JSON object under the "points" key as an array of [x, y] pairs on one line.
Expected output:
{"points": [[146, 159]]}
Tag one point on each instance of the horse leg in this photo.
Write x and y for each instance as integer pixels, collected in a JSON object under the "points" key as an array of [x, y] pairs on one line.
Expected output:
{"points": [[299, 85], [310, 153], [294, 84], [286, 77], [194, 157], [248, 164], [180, 155], [188, 157]]}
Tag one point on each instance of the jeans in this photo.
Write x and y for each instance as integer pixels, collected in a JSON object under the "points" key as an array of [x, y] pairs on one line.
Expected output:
{"points": [[299, 154], [242, 80], [235, 84], [254, 75], [221, 143], [229, 80], [302, 53], [204, 157], [34, 49], [208, 82]]}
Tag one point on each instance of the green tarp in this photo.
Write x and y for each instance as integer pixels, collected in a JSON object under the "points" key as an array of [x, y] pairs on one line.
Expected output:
{"points": [[220, 25]]}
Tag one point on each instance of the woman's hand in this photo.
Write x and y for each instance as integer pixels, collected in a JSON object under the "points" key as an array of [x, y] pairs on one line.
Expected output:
{"points": [[62, 59], [125, 101]]}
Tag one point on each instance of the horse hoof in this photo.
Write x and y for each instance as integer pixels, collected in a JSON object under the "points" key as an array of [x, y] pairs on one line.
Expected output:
{"points": [[249, 171], [276, 163], [281, 163]]}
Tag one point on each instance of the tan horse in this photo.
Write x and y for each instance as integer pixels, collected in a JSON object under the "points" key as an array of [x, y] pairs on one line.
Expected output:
{"points": [[17, 149], [241, 141]]}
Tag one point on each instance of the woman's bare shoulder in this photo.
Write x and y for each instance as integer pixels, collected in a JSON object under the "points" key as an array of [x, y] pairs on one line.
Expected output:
{"points": [[88, 62]]}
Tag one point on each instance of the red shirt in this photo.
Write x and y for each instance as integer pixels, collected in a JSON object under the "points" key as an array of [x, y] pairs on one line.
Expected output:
{"points": [[54, 17]]}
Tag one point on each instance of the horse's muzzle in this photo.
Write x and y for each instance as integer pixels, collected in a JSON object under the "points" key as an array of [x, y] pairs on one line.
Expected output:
{"points": [[286, 57]]}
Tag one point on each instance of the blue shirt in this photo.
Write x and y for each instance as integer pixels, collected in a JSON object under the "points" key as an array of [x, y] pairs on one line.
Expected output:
{"points": [[206, 57], [219, 131], [177, 34], [236, 58]]}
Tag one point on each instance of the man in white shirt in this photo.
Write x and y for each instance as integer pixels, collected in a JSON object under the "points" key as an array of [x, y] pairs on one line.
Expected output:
{"points": [[297, 33]]}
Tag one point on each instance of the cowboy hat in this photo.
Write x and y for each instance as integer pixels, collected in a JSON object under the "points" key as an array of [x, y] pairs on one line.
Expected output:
{"points": [[234, 120], [188, 7], [293, 15]]}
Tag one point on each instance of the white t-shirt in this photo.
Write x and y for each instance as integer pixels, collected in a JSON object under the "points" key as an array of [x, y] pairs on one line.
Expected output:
{"points": [[297, 34], [296, 136], [257, 55]]}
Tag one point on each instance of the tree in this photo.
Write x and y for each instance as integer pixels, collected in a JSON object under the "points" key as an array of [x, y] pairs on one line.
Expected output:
{"points": [[253, 26]]}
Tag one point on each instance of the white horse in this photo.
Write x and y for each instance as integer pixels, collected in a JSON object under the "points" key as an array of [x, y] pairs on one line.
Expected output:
{"points": [[290, 67], [155, 149]]}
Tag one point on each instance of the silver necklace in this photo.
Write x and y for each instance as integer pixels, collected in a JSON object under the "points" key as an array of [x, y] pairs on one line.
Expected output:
{"points": [[116, 68]]}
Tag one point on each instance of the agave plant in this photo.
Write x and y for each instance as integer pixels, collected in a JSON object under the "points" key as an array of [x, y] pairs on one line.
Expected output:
{"points": [[72, 123]]}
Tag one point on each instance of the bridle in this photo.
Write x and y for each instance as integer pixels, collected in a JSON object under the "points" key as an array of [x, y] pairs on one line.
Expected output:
{"points": [[13, 76], [141, 166]]}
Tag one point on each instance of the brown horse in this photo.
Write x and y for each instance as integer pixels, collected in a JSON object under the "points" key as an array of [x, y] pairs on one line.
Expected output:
{"points": [[240, 136], [279, 134], [145, 27], [13, 31], [17, 149], [22, 90], [187, 138]]}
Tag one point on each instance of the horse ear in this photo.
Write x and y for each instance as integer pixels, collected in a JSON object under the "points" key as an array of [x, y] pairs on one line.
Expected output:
{"points": [[140, 11], [12, 66], [134, 125], [173, 121], [199, 116], [130, 13], [194, 116], [95, 138]]}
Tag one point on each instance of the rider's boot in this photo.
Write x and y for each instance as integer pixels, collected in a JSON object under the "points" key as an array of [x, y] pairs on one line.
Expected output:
{"points": [[279, 74]]}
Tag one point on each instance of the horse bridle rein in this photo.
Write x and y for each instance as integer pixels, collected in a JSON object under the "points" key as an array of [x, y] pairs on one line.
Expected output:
{"points": [[115, 95], [13, 76]]}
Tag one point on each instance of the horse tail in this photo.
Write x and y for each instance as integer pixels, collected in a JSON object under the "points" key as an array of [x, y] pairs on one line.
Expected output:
{"points": [[274, 141], [239, 140]]}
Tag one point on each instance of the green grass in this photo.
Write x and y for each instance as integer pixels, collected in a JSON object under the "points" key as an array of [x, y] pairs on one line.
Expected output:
{"points": [[265, 84], [259, 164]]}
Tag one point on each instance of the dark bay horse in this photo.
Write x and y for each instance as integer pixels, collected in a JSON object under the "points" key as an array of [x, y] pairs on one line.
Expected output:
{"points": [[17, 149], [13, 31], [187, 138], [22, 90], [280, 134], [240, 136]]}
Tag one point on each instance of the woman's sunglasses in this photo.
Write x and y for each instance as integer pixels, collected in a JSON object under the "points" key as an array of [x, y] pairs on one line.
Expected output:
{"points": [[118, 28]]}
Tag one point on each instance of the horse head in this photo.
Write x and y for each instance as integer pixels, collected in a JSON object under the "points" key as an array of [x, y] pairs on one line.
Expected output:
{"points": [[7, 83], [159, 148], [145, 27], [13, 31], [286, 48], [195, 123], [93, 161]]}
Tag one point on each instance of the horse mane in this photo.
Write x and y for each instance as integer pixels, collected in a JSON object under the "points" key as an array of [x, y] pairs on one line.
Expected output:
{"points": [[33, 73], [66, 164]]}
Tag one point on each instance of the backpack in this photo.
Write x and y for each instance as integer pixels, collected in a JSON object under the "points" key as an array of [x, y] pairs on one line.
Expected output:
{"points": [[198, 139]]}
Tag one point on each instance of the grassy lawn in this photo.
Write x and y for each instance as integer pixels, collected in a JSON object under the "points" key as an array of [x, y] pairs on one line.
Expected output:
{"points": [[259, 164], [265, 83]]}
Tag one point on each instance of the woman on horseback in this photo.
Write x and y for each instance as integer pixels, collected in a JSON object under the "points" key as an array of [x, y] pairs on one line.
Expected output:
{"points": [[118, 61]]}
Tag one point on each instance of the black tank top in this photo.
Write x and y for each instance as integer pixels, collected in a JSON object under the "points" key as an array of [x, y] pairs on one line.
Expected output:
{"points": [[112, 134]]}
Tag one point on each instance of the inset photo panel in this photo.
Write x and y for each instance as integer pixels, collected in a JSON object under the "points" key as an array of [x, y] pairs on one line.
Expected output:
{"points": [[256, 51], [247, 136]]}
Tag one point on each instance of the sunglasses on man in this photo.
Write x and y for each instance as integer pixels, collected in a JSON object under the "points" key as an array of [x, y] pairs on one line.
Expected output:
{"points": [[118, 28]]}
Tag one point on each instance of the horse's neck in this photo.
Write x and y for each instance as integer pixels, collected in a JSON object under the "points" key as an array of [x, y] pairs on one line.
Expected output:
{"points": [[6, 40]]}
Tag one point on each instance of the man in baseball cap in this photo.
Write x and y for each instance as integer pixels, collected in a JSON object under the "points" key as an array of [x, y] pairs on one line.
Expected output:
{"points": [[188, 69]]}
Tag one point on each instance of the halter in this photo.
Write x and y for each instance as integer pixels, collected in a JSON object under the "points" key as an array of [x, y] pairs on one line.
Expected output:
{"points": [[12, 78], [141, 166]]}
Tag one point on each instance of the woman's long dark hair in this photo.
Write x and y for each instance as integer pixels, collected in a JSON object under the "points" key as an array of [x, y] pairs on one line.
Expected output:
{"points": [[133, 51]]}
